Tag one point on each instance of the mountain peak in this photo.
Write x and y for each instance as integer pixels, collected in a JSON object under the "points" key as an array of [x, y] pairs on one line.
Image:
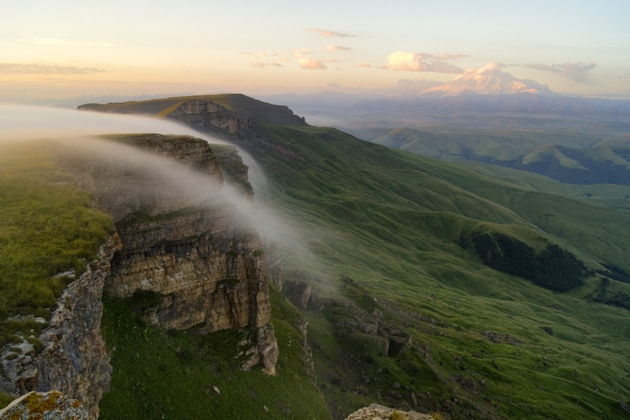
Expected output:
{"points": [[487, 80]]}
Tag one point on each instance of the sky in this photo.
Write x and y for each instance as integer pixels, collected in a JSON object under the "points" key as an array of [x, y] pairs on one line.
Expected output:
{"points": [[60, 50]]}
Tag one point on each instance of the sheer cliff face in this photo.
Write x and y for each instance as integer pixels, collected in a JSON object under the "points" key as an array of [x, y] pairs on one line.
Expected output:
{"points": [[185, 250], [210, 275], [74, 359]]}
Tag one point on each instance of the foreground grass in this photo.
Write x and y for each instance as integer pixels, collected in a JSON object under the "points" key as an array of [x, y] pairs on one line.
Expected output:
{"points": [[47, 226], [159, 374]]}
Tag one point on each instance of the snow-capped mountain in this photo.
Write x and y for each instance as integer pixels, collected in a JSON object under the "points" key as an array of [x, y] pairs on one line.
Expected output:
{"points": [[487, 80]]}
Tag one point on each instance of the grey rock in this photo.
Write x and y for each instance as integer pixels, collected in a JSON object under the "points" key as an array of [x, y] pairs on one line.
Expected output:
{"points": [[39, 406]]}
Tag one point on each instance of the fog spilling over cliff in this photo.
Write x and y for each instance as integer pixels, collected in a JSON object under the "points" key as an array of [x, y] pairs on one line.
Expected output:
{"points": [[77, 131]]}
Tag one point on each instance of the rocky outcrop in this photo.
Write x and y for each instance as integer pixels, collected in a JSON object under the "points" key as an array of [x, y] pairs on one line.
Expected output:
{"points": [[206, 115], [298, 292], [187, 255], [500, 338], [232, 166], [39, 406], [73, 358], [379, 412]]}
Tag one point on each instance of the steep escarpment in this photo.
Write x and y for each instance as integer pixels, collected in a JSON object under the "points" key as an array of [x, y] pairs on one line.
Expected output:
{"points": [[224, 110], [233, 116], [187, 255], [73, 358]]}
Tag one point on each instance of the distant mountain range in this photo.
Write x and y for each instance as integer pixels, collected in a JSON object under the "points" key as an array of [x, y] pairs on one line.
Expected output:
{"points": [[484, 97]]}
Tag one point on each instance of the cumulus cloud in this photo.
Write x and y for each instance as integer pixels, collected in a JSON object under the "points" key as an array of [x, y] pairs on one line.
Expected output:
{"points": [[21, 68], [337, 48], [364, 64], [411, 61], [575, 71], [265, 64], [331, 34], [311, 64]]}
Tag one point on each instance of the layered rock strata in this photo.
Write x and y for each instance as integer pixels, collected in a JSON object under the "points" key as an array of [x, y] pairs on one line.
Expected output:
{"points": [[185, 248]]}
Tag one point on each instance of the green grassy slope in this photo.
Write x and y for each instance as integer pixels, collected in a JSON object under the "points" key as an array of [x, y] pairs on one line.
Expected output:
{"points": [[614, 196], [388, 219], [46, 227], [568, 157], [458, 143], [170, 374], [485, 344]]}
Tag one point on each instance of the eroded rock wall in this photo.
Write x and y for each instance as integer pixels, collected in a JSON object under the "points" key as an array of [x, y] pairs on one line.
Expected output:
{"points": [[190, 249], [74, 359]]}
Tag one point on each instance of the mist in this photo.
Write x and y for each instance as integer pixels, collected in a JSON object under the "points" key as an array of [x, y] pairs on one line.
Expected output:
{"points": [[74, 135]]}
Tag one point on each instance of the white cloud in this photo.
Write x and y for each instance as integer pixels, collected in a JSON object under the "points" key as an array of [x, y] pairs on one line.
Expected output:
{"points": [[311, 64], [411, 61], [337, 48], [364, 64], [574, 71], [331, 34], [265, 64], [21, 68]]}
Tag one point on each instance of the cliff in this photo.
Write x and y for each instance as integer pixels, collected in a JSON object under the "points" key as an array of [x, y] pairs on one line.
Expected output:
{"points": [[73, 358], [180, 251], [186, 254], [237, 117], [223, 109]]}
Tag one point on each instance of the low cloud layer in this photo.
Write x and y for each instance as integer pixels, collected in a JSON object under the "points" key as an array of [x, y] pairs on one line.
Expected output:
{"points": [[574, 71], [331, 34], [337, 48], [412, 61], [311, 64], [21, 68]]}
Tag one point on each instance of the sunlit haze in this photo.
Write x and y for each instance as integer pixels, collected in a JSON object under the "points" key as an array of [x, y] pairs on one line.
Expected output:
{"points": [[53, 52]]}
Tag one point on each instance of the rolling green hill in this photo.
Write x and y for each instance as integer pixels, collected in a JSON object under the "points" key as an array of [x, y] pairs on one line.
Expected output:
{"points": [[388, 230], [576, 158], [389, 221]]}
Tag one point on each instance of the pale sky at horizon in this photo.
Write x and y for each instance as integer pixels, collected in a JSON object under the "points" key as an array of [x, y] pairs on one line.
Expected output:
{"points": [[64, 49]]}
